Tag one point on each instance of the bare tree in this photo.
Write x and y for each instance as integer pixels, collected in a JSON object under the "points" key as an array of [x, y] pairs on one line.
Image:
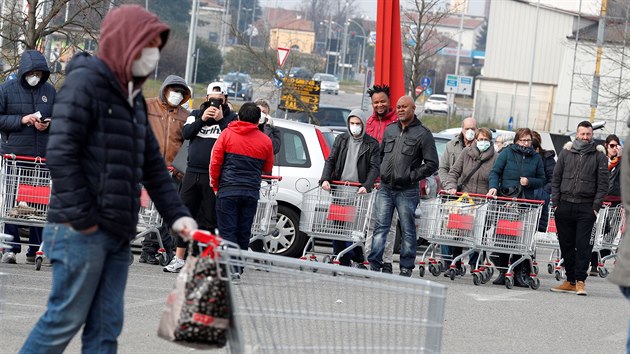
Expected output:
{"points": [[35, 24], [422, 40]]}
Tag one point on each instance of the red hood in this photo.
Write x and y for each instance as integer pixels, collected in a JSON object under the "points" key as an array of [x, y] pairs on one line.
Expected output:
{"points": [[124, 32], [376, 126], [241, 127]]}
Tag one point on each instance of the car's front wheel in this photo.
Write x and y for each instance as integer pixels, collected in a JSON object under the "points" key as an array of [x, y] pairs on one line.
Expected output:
{"points": [[286, 239]]}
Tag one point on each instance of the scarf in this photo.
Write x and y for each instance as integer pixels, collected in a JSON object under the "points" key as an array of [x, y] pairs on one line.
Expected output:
{"points": [[613, 163]]}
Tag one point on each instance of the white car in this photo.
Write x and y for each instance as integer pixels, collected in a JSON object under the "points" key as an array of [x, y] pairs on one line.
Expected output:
{"points": [[328, 83], [436, 103]]}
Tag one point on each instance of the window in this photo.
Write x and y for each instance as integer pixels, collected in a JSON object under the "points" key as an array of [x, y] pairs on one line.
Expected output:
{"points": [[294, 152]]}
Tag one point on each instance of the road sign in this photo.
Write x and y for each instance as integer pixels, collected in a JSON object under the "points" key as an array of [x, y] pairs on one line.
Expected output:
{"points": [[283, 53], [428, 91], [450, 84], [294, 90], [425, 82], [278, 78], [419, 90]]}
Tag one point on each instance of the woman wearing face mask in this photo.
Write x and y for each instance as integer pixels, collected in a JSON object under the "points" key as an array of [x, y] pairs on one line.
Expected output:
{"points": [[470, 173], [517, 172]]}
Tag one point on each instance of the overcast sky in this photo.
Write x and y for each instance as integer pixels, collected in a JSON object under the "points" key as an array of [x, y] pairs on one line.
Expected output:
{"points": [[367, 7]]}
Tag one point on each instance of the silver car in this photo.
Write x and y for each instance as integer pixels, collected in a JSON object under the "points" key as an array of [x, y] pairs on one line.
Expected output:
{"points": [[328, 83]]}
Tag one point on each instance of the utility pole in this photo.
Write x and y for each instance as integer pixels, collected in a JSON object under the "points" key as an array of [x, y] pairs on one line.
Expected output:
{"points": [[600, 44], [344, 49], [451, 96], [192, 41], [531, 71]]}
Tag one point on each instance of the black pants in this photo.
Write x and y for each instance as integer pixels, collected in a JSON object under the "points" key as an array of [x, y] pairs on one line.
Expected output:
{"points": [[199, 198], [575, 223]]}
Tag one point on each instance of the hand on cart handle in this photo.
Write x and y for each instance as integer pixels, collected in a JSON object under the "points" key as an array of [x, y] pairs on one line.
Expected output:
{"points": [[492, 192], [362, 190], [326, 186], [451, 191], [185, 226]]}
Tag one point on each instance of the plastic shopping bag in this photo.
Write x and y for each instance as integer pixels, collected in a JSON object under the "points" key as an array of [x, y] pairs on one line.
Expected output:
{"points": [[197, 312]]}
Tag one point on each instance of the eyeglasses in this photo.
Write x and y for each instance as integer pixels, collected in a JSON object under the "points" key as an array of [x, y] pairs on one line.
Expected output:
{"points": [[612, 145], [525, 140]]}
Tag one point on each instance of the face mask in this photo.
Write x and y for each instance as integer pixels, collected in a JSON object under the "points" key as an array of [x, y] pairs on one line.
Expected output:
{"points": [[483, 145], [263, 118], [32, 80], [470, 134], [355, 129], [174, 98], [147, 62]]}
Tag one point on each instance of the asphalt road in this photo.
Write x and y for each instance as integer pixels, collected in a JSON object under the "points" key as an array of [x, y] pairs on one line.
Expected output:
{"points": [[477, 319]]}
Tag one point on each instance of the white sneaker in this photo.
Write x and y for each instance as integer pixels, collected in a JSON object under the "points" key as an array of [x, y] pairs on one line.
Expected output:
{"points": [[175, 266], [8, 257]]}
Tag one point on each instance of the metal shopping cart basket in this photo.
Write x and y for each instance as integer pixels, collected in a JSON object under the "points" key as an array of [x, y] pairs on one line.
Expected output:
{"points": [[149, 221], [281, 306], [608, 234], [340, 214], [549, 240], [24, 194], [267, 210], [508, 225], [449, 220]]}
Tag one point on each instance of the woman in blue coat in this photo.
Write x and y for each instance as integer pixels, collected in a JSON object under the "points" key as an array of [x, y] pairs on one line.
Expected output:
{"points": [[517, 172]]}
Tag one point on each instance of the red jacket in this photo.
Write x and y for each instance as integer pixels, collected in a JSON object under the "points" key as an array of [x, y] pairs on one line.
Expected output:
{"points": [[239, 157], [375, 127]]}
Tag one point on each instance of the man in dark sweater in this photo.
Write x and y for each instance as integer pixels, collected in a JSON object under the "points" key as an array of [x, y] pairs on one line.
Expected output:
{"points": [[202, 128]]}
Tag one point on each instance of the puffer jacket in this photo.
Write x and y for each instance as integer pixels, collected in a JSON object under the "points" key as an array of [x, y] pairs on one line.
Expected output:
{"points": [[167, 121], [549, 161], [580, 177], [18, 99], [408, 155], [512, 164], [467, 161], [621, 274], [100, 150]]}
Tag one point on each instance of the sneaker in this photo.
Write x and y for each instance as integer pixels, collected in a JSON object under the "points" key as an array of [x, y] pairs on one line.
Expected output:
{"points": [[30, 259], [566, 287], [387, 268], [175, 266], [9, 257], [594, 272], [150, 259], [404, 272], [579, 288]]}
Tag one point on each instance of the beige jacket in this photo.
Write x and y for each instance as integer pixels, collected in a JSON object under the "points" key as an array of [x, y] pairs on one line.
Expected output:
{"points": [[465, 164]]}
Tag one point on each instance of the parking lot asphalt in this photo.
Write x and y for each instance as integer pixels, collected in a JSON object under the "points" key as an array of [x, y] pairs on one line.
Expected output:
{"points": [[478, 319]]}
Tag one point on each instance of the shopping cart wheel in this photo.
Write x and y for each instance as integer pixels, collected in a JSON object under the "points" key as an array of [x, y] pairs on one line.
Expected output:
{"points": [[452, 273], [535, 268], [164, 258], [558, 275], [486, 275], [603, 272], [38, 263], [462, 271], [434, 270], [421, 271], [509, 282], [550, 268], [477, 278], [534, 283]]}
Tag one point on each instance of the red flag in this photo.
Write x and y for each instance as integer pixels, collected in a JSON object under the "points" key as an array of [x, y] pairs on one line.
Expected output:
{"points": [[388, 66]]}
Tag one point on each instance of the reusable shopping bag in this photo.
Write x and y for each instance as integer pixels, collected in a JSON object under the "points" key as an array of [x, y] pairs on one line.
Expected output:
{"points": [[461, 213], [197, 312]]}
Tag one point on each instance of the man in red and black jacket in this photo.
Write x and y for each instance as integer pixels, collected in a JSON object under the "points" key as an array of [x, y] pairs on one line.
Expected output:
{"points": [[239, 157]]}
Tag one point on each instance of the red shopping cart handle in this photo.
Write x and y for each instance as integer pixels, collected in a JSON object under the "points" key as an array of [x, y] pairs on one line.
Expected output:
{"points": [[209, 239], [443, 192], [24, 158], [346, 183], [519, 200], [279, 178]]}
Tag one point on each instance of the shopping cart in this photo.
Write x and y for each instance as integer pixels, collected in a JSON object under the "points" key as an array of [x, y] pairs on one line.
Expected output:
{"points": [[267, 210], [450, 220], [609, 236], [341, 214], [24, 194], [508, 225], [280, 306], [549, 240], [149, 221]]}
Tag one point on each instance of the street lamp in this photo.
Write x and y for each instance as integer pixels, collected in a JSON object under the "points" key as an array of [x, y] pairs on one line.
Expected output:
{"points": [[329, 24], [364, 41]]}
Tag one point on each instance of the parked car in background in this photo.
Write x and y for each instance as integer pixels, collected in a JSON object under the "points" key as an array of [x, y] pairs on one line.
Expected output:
{"points": [[436, 104], [328, 116], [239, 85], [300, 73], [328, 83]]}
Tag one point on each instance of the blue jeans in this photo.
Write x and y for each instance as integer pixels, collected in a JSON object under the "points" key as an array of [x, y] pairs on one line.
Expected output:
{"points": [[405, 203], [89, 275], [34, 238], [235, 216]]}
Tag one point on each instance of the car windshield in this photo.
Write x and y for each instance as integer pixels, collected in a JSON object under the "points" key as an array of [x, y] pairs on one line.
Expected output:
{"points": [[326, 78], [235, 77], [438, 98]]}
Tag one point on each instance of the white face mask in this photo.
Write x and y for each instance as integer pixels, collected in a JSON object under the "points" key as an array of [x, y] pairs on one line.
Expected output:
{"points": [[263, 118], [483, 145], [355, 129], [174, 98], [32, 80], [470, 135], [147, 62]]}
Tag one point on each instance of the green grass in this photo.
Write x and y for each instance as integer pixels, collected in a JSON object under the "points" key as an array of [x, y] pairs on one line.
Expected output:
{"points": [[437, 123]]}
